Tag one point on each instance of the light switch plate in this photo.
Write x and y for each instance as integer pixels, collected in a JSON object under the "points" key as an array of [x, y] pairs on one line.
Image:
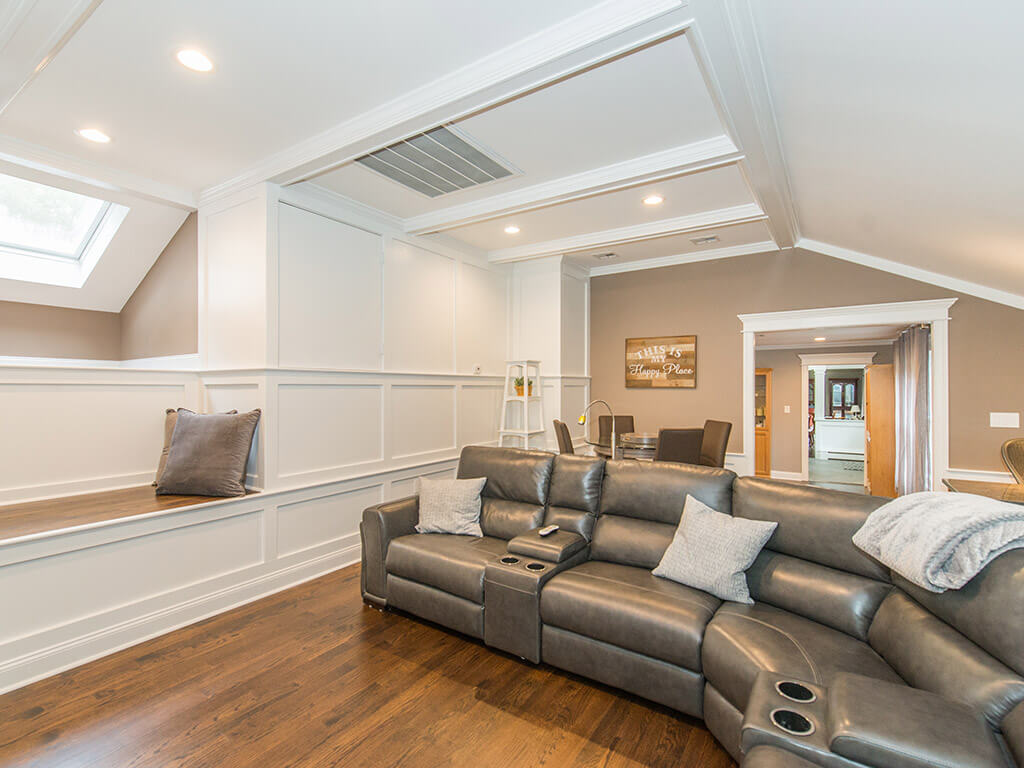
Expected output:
{"points": [[785, 409], [1005, 420]]}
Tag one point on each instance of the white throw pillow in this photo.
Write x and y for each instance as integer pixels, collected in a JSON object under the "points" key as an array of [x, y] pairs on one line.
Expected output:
{"points": [[450, 506], [712, 551]]}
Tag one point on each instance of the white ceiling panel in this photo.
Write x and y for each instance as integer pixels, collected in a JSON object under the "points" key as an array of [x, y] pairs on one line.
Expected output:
{"points": [[675, 245], [694, 193], [900, 125], [283, 72], [651, 100]]}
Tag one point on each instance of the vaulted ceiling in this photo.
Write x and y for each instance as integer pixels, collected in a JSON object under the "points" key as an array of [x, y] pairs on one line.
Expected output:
{"points": [[878, 134]]}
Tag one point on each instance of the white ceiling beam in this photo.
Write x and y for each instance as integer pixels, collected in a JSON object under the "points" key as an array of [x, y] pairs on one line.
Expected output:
{"points": [[32, 32], [739, 214], [728, 51], [728, 252], [18, 156], [598, 34], [678, 161]]}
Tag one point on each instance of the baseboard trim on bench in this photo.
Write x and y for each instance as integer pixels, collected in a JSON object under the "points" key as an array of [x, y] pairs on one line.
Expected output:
{"points": [[60, 657]]}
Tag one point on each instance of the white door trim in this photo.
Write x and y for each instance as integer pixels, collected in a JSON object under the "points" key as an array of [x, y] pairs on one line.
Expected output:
{"points": [[934, 312]]}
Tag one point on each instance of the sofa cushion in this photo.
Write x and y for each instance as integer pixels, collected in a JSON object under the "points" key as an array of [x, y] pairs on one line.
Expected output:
{"points": [[575, 496], [209, 454], [712, 551], [452, 563], [450, 506], [742, 640], [514, 497], [630, 608]]}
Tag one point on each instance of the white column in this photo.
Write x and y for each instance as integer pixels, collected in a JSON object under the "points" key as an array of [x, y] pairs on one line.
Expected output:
{"points": [[820, 400], [749, 366]]}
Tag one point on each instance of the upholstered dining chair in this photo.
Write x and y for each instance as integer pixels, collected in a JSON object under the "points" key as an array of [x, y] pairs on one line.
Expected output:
{"points": [[1013, 457], [679, 445], [713, 443], [623, 424], [563, 436]]}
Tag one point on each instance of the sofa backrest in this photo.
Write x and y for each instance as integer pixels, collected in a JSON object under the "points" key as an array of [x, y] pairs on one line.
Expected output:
{"points": [[810, 566], [966, 644], [641, 503], [575, 495], [514, 497]]}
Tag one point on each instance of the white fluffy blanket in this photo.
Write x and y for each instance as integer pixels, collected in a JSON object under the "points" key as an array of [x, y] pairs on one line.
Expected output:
{"points": [[941, 541]]}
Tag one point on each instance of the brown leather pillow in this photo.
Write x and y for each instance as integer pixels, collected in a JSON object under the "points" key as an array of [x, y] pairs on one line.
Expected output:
{"points": [[208, 454], [170, 419]]}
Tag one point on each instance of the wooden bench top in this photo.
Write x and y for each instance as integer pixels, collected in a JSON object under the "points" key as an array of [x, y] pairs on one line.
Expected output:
{"points": [[67, 511]]}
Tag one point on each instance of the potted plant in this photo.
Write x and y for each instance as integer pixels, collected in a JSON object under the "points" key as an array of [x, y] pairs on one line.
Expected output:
{"points": [[518, 382]]}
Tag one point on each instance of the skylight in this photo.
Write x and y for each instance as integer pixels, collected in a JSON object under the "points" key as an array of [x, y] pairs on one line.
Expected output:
{"points": [[39, 220]]}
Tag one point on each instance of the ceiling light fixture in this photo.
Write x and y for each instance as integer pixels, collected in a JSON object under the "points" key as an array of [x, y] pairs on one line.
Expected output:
{"points": [[604, 256], [820, 338], [511, 229], [194, 60], [93, 134], [654, 200]]}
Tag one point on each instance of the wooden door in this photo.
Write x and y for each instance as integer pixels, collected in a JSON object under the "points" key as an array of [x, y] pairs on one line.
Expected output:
{"points": [[763, 422], [880, 430]]}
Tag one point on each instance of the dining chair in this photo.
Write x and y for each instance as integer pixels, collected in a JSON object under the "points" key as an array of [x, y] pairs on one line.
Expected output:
{"points": [[563, 437], [679, 445], [1013, 457], [713, 443], [623, 424]]}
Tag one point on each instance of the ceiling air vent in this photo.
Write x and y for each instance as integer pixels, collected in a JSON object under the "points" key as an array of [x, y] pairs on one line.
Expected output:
{"points": [[435, 163], [704, 240]]}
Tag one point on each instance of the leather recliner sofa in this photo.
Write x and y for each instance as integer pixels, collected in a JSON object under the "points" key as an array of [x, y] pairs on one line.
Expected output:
{"points": [[883, 672]]}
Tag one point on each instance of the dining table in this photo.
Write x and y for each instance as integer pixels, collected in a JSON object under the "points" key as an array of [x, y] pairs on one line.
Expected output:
{"points": [[1011, 492], [631, 445]]}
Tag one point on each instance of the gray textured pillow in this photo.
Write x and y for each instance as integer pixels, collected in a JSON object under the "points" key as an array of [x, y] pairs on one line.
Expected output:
{"points": [[712, 551], [450, 506], [170, 420], [208, 454]]}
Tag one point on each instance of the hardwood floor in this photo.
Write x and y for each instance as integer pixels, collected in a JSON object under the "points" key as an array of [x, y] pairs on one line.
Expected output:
{"points": [[312, 677]]}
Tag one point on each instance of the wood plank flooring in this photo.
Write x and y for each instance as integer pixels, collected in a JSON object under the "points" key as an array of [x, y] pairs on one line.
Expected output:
{"points": [[67, 511], [312, 677]]}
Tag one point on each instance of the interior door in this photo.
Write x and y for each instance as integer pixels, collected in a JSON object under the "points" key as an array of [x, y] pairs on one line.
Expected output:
{"points": [[763, 422], [880, 430]]}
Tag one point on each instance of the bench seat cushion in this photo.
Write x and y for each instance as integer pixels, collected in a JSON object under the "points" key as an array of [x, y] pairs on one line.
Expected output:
{"points": [[446, 561], [629, 607], [742, 640]]}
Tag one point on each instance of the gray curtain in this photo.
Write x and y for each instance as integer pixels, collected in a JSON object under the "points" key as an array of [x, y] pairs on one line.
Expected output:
{"points": [[912, 370]]}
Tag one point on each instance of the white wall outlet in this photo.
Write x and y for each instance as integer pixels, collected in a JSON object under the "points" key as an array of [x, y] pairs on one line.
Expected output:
{"points": [[785, 409], [1005, 420], [476, 370]]}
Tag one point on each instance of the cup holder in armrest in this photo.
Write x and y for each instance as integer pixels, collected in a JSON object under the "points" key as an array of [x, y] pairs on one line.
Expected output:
{"points": [[794, 691], [535, 566], [509, 560], [792, 722]]}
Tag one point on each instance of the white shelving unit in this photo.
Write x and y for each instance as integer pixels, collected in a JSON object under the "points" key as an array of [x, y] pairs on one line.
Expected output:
{"points": [[522, 416]]}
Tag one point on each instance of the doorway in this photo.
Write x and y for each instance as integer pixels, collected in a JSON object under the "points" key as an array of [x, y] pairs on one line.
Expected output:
{"points": [[836, 442]]}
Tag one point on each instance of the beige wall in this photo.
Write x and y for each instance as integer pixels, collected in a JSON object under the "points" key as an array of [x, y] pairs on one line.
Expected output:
{"points": [[787, 389], [986, 339], [162, 316], [34, 330]]}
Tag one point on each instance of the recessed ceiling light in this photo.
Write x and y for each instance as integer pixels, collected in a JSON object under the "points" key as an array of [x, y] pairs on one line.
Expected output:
{"points": [[704, 240], [511, 229], [93, 134], [654, 200], [604, 256], [194, 60], [820, 338]]}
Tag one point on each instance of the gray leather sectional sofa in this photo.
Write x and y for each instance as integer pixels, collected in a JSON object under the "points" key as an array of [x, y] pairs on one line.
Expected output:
{"points": [[837, 663]]}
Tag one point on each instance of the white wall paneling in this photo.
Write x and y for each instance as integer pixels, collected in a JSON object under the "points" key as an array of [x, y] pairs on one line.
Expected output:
{"points": [[479, 412], [324, 521], [74, 430], [244, 392], [481, 317], [422, 419]]}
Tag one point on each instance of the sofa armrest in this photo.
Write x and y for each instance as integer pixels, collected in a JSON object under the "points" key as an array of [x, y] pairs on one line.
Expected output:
{"points": [[553, 548], [885, 724], [382, 523]]}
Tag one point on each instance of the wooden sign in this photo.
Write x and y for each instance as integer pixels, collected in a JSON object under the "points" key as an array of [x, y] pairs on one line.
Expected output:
{"points": [[661, 361]]}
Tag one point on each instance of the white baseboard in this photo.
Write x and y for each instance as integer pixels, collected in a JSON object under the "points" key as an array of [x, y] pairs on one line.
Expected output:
{"points": [[57, 658], [778, 474], [982, 475]]}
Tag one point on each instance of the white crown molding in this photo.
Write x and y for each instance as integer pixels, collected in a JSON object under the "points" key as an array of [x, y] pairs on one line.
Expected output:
{"points": [[890, 313], [20, 155], [914, 273], [828, 345], [678, 161], [725, 43], [738, 214], [600, 33], [685, 258], [48, 27], [849, 358], [317, 199]]}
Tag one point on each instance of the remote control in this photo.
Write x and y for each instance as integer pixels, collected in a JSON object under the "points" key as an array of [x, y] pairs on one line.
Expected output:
{"points": [[547, 530]]}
